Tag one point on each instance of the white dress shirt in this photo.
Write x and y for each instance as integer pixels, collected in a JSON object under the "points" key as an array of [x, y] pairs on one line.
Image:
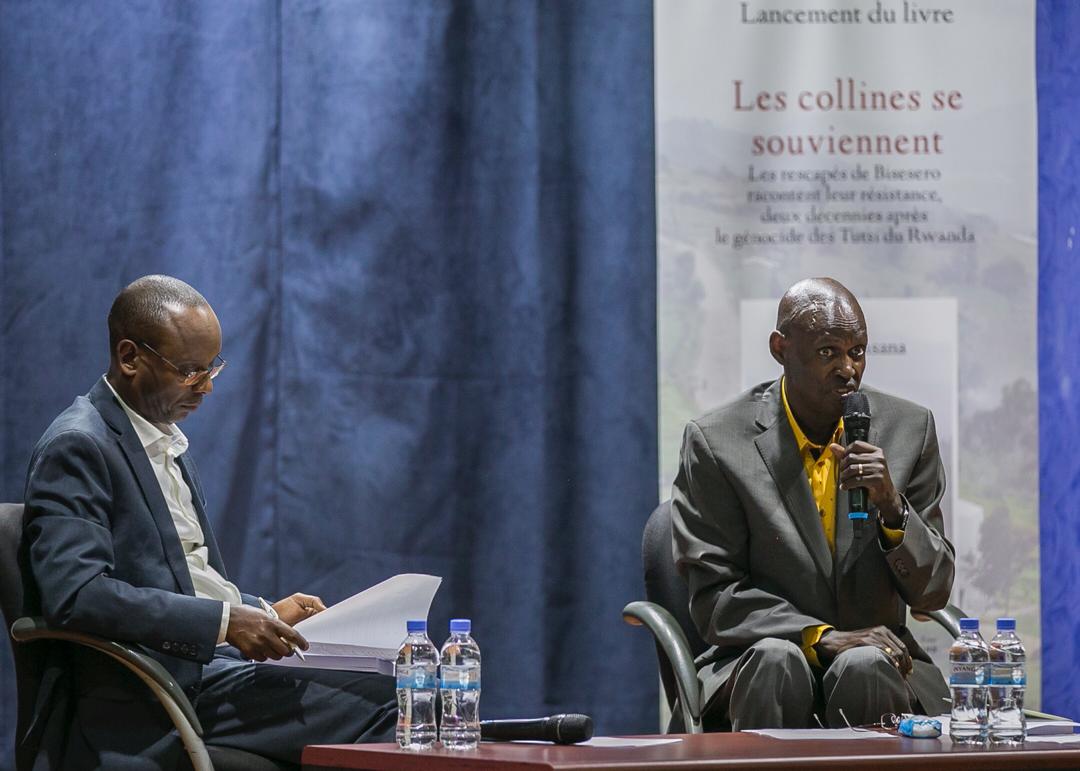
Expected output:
{"points": [[163, 449]]}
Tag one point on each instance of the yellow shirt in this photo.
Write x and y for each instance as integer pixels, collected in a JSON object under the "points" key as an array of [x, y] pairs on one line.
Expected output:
{"points": [[821, 472]]}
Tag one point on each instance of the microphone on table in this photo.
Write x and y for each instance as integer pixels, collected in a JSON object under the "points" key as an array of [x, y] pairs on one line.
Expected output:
{"points": [[561, 729], [857, 429]]}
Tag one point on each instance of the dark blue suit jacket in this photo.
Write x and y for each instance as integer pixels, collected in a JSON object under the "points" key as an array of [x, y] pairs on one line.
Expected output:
{"points": [[103, 549]]}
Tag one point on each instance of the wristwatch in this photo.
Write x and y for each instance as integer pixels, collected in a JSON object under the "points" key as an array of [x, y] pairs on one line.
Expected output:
{"points": [[904, 512]]}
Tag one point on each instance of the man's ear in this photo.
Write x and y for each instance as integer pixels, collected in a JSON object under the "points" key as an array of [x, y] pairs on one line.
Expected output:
{"points": [[778, 346], [126, 354]]}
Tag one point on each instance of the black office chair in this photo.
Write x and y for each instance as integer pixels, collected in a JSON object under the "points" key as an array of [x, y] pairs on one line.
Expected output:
{"points": [[30, 663], [665, 612]]}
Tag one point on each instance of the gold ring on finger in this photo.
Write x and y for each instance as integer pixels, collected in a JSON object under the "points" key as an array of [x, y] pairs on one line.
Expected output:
{"points": [[888, 650]]}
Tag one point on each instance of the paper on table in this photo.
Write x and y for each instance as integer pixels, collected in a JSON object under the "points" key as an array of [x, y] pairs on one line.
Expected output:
{"points": [[819, 733], [1035, 727], [1051, 727], [624, 741], [1059, 739], [363, 632]]}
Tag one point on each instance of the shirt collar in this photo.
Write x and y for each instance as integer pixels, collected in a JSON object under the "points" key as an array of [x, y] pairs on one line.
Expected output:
{"points": [[801, 439], [153, 439]]}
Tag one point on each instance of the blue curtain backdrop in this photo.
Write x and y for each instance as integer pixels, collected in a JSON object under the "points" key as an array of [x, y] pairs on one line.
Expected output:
{"points": [[428, 231], [1058, 66]]}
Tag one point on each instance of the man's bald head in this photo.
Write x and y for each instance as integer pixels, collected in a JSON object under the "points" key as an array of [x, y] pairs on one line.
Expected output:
{"points": [[164, 340], [144, 308], [820, 341], [815, 304]]}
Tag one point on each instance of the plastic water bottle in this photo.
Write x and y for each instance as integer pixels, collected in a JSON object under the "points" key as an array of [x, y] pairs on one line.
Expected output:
{"points": [[460, 688], [416, 670], [969, 658], [1008, 679]]}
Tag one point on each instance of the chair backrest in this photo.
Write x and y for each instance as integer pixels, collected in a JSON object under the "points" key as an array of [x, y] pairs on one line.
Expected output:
{"points": [[18, 599], [668, 589]]}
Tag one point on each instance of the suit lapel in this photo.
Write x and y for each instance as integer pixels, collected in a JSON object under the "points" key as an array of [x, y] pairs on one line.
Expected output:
{"points": [[776, 445], [191, 476], [128, 439]]}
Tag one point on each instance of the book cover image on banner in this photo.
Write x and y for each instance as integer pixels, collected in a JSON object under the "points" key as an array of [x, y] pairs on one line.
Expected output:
{"points": [[891, 145]]}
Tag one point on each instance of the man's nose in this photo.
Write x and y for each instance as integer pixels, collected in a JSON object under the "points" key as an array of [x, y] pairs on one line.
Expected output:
{"points": [[204, 386], [847, 367]]}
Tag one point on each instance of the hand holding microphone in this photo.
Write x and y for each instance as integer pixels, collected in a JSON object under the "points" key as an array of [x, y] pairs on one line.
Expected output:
{"points": [[863, 471]]}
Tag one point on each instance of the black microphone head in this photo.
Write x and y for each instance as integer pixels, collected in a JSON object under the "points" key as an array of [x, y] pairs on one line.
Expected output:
{"points": [[572, 728], [856, 404]]}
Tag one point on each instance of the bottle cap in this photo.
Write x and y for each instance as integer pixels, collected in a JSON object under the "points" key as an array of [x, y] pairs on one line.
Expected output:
{"points": [[460, 626], [416, 627], [1006, 624], [969, 624]]}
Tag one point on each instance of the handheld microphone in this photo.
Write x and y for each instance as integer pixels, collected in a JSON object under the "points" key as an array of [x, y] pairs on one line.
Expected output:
{"points": [[857, 429], [561, 729]]}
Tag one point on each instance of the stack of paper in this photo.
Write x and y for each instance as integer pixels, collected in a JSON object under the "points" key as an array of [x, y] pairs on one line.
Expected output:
{"points": [[362, 633]]}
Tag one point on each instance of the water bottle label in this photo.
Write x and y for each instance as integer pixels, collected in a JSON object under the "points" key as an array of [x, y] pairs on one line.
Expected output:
{"points": [[461, 680], [418, 677], [968, 674], [1014, 679], [1007, 674]]}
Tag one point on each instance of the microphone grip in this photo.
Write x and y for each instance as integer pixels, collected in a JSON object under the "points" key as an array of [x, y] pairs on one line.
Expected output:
{"points": [[858, 502], [857, 510], [857, 499]]}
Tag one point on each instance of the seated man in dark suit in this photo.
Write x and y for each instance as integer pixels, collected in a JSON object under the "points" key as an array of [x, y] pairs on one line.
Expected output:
{"points": [[806, 615], [120, 546]]}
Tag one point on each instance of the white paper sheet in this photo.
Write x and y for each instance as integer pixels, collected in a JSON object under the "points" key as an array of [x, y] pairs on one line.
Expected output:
{"points": [[1035, 727], [820, 733], [375, 617], [363, 632], [1059, 739], [1051, 727], [624, 741]]}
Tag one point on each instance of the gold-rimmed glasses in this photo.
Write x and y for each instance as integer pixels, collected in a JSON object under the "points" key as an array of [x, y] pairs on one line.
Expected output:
{"points": [[190, 377]]}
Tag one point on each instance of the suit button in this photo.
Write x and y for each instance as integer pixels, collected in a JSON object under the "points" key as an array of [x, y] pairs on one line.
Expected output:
{"points": [[166, 646]]}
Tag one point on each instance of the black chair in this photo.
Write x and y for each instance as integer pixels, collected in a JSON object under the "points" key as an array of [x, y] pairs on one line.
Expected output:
{"points": [[665, 612], [30, 662]]}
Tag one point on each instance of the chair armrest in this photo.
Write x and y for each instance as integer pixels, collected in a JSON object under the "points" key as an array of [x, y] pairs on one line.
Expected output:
{"points": [[150, 671], [672, 641], [948, 618]]}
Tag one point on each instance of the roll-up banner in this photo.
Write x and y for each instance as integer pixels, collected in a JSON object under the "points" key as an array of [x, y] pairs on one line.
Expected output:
{"points": [[890, 144]]}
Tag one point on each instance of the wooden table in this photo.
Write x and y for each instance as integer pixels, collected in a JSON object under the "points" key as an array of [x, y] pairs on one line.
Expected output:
{"points": [[701, 752]]}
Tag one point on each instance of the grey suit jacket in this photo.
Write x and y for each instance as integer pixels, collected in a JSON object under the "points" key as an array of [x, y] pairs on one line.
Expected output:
{"points": [[748, 538]]}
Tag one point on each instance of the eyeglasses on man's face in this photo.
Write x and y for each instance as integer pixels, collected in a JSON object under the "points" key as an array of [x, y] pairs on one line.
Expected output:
{"points": [[188, 376]]}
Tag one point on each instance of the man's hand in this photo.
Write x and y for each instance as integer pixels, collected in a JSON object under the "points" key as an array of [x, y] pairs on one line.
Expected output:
{"points": [[259, 637], [297, 607], [863, 465], [835, 642]]}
